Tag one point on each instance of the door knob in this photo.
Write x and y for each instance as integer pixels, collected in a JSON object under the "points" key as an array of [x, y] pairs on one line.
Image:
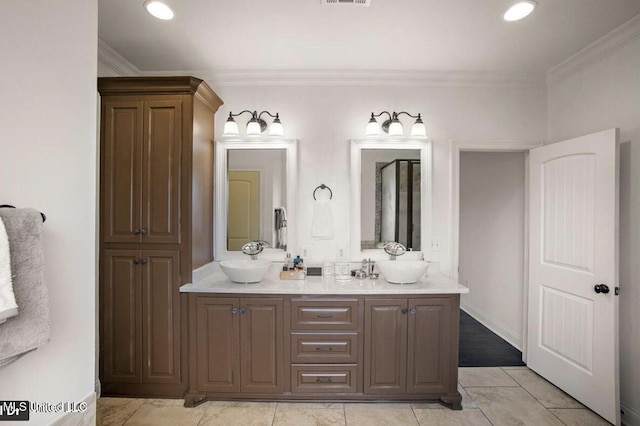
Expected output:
{"points": [[601, 288]]}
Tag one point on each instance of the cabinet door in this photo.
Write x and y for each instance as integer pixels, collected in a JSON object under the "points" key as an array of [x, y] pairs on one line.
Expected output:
{"points": [[218, 344], [429, 345], [121, 176], [162, 157], [385, 349], [161, 316], [121, 325], [261, 329]]}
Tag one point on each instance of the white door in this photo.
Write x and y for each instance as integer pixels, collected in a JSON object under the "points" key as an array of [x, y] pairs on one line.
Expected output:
{"points": [[573, 325]]}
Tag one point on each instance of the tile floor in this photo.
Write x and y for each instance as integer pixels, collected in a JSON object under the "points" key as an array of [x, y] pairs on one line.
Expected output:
{"points": [[490, 396]]}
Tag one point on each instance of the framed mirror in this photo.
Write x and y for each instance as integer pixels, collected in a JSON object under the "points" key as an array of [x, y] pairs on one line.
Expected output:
{"points": [[255, 187], [390, 195]]}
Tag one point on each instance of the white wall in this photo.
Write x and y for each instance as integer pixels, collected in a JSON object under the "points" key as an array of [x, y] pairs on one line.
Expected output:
{"points": [[324, 119], [48, 162], [492, 203], [603, 95]]}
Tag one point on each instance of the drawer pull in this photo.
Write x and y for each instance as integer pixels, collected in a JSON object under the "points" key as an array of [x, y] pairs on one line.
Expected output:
{"points": [[324, 316], [324, 349], [323, 380]]}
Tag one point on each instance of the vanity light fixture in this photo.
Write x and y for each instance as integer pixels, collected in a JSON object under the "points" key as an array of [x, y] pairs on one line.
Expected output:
{"points": [[255, 126], [393, 126], [159, 10], [519, 10]]}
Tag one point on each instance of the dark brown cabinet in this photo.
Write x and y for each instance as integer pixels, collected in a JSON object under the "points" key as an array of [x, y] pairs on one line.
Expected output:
{"points": [[305, 347], [142, 152], [156, 225], [411, 346], [238, 345], [141, 319]]}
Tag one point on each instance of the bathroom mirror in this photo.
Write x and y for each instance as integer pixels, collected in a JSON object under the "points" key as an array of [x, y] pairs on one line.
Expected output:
{"points": [[254, 196], [391, 196]]}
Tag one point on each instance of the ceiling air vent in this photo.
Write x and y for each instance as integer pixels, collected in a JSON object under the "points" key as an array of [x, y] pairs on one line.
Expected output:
{"points": [[346, 2]]}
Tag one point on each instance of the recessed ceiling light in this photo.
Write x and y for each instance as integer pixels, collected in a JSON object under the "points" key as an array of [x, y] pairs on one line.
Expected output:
{"points": [[519, 10], [159, 10]]}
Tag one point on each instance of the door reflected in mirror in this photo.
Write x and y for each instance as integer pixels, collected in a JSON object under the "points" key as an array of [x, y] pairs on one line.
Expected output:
{"points": [[390, 198], [256, 208]]}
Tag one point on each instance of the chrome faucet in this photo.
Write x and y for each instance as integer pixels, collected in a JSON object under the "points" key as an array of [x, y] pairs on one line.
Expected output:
{"points": [[394, 249], [254, 248]]}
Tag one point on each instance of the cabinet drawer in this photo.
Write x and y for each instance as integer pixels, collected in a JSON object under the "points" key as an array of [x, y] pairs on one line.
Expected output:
{"points": [[323, 378], [324, 347], [324, 314]]}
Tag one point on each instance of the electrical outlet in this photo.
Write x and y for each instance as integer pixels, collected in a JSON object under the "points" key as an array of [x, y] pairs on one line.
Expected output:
{"points": [[435, 244], [305, 252], [340, 251]]}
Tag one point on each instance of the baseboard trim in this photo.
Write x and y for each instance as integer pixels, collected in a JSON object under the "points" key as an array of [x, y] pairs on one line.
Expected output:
{"points": [[493, 325], [630, 417], [85, 418]]}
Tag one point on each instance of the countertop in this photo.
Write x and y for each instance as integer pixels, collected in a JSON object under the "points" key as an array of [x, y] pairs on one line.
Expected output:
{"points": [[217, 282]]}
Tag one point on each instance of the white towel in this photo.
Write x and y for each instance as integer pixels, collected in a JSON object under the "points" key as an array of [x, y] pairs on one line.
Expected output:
{"points": [[8, 305], [24, 333], [322, 226]]}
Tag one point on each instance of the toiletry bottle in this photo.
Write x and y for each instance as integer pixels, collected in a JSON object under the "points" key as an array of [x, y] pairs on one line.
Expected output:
{"points": [[341, 268], [289, 262]]}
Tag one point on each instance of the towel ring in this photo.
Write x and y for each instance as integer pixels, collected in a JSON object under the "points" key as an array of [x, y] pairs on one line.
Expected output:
{"points": [[322, 186]]}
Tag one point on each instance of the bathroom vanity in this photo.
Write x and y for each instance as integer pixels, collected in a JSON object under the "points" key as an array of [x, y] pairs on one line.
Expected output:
{"points": [[321, 340]]}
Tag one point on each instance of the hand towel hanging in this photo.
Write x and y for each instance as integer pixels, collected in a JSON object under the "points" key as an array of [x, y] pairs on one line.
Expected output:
{"points": [[322, 226], [30, 329], [8, 305]]}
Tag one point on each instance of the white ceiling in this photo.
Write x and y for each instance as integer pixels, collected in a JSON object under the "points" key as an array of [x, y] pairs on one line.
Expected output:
{"points": [[409, 35]]}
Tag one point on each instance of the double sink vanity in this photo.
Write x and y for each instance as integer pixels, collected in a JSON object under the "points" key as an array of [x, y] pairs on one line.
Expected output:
{"points": [[323, 340], [319, 338]]}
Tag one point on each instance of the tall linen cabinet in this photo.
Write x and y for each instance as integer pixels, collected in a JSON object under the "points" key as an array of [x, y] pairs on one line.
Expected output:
{"points": [[156, 226]]}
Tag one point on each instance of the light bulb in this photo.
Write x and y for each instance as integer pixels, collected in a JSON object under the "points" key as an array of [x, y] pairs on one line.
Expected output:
{"points": [[159, 10], [276, 128], [418, 128], [230, 127], [373, 128], [395, 128], [253, 128], [519, 10]]}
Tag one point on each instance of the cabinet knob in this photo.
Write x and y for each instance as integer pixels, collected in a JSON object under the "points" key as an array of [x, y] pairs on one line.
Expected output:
{"points": [[143, 261], [136, 261], [136, 231], [143, 231], [404, 311], [242, 311], [234, 310], [413, 311]]}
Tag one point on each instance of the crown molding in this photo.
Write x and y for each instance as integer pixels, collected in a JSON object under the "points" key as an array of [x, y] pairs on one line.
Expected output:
{"points": [[115, 61], [604, 46], [365, 78]]}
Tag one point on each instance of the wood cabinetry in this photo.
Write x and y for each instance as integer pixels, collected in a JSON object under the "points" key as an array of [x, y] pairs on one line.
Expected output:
{"points": [[333, 348], [238, 345], [156, 217], [410, 345]]}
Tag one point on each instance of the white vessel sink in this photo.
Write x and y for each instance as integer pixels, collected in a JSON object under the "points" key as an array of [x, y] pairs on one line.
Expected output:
{"points": [[245, 271], [403, 271]]}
